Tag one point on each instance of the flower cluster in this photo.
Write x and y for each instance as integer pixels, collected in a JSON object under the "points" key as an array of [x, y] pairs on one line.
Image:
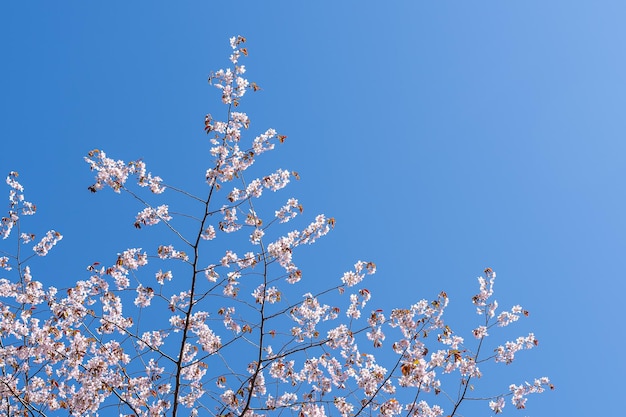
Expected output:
{"points": [[17, 205], [47, 242], [168, 252], [274, 182], [150, 216], [114, 174], [287, 212], [521, 391], [231, 84], [507, 352], [352, 278]]}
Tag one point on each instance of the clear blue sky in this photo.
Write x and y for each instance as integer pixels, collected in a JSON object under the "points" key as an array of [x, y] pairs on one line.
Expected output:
{"points": [[444, 137]]}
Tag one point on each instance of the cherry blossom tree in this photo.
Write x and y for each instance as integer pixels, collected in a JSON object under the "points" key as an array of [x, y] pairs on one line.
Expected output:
{"points": [[191, 327]]}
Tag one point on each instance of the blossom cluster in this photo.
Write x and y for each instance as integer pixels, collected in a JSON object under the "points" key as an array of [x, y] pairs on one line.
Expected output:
{"points": [[114, 174], [47, 242], [150, 216], [17, 205]]}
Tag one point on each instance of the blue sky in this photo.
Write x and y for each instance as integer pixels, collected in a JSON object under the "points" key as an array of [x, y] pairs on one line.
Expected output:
{"points": [[444, 137]]}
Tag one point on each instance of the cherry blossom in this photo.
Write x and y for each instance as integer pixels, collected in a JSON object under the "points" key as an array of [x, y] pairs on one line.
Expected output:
{"points": [[184, 326], [150, 216]]}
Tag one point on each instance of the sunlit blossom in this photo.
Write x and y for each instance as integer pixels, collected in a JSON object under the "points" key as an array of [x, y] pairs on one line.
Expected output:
{"points": [[231, 338]]}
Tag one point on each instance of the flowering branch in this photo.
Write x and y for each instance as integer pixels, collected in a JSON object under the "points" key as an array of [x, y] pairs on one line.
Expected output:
{"points": [[212, 329]]}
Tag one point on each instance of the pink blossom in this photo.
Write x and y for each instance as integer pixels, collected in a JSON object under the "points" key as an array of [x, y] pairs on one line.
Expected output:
{"points": [[47, 242], [4, 263], [144, 296], [162, 276], [168, 252], [521, 391], [497, 406], [507, 352], [150, 216], [118, 340], [480, 332], [208, 233]]}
